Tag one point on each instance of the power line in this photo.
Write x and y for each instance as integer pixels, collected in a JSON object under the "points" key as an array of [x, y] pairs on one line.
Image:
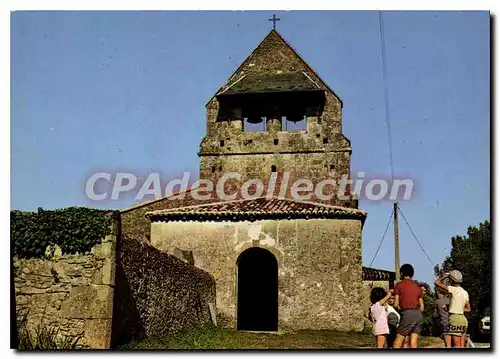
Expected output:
{"points": [[389, 133], [382, 240], [386, 90], [414, 236]]}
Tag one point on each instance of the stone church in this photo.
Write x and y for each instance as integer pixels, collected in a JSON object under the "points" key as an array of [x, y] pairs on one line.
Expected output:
{"points": [[278, 262]]}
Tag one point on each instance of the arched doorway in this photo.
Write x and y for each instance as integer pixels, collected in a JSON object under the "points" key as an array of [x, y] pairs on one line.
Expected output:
{"points": [[257, 290]]}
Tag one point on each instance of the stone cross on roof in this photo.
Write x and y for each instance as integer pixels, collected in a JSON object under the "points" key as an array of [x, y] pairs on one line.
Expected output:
{"points": [[274, 19]]}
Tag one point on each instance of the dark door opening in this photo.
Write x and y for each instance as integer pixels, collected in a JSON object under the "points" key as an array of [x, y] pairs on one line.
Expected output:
{"points": [[257, 290]]}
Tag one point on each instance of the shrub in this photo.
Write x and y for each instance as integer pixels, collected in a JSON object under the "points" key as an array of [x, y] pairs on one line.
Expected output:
{"points": [[73, 229]]}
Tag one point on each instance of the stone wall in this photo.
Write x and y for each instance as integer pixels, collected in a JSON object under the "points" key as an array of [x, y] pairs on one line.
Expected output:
{"points": [[73, 293], [134, 223], [157, 293], [319, 265], [299, 166]]}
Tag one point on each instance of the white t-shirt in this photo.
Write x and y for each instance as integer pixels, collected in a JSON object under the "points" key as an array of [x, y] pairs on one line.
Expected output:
{"points": [[459, 297], [391, 310]]}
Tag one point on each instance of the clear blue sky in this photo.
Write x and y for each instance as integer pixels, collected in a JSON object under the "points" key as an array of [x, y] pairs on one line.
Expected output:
{"points": [[110, 91]]}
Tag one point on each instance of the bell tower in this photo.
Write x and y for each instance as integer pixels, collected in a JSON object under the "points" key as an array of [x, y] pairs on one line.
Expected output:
{"points": [[275, 114]]}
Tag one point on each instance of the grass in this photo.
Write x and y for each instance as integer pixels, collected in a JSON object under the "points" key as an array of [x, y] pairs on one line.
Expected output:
{"points": [[207, 338], [43, 337]]}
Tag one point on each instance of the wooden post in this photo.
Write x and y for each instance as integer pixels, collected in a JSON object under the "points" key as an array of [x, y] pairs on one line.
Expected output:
{"points": [[213, 314], [396, 241]]}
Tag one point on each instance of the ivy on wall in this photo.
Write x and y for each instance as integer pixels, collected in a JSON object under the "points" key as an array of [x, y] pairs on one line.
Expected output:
{"points": [[73, 229]]}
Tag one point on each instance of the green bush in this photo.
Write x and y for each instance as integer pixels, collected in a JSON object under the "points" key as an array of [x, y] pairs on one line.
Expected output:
{"points": [[73, 229]]}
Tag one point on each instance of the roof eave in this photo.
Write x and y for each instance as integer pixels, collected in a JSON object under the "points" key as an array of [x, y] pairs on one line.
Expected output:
{"points": [[245, 216], [295, 52]]}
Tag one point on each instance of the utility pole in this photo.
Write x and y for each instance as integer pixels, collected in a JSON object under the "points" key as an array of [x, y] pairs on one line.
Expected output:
{"points": [[396, 241]]}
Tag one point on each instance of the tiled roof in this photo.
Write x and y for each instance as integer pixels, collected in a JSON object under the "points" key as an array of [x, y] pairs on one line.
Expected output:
{"points": [[378, 274], [175, 192], [255, 209], [272, 33], [258, 83]]}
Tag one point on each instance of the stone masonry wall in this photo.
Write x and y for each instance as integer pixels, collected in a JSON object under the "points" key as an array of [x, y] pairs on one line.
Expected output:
{"points": [[300, 166], [157, 293], [134, 223], [71, 292], [319, 265]]}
